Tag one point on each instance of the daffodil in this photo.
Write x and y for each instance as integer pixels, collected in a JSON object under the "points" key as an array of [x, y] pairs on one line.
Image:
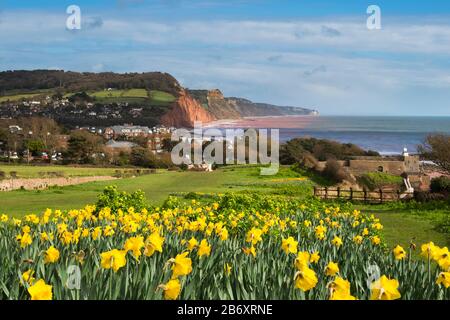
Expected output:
{"points": [[134, 244], [385, 289], [250, 251], [399, 253], [192, 244], [114, 259], [428, 250], [340, 290], [40, 291], [51, 255], [331, 269], [171, 289], [204, 249], [305, 279], [376, 240], [254, 236], [337, 241], [27, 276], [358, 239], [315, 257], [289, 245], [444, 278], [25, 240], [223, 234], [302, 260], [181, 265], [154, 243]]}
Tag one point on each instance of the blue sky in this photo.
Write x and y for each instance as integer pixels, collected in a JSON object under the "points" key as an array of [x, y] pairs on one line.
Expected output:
{"points": [[316, 54]]}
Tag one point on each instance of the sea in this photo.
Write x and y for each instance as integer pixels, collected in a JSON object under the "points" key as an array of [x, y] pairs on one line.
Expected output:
{"points": [[388, 135]]}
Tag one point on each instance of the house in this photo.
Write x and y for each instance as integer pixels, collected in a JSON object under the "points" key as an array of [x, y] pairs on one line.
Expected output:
{"points": [[120, 145], [128, 131], [155, 142]]}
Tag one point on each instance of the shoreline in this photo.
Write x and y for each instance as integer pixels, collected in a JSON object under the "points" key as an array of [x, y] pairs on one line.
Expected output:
{"points": [[261, 122]]}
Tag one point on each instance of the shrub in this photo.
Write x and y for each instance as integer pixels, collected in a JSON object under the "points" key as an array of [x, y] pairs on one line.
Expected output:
{"points": [[441, 184], [334, 171], [422, 196], [115, 200]]}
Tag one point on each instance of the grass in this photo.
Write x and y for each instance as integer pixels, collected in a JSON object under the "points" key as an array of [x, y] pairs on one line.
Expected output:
{"points": [[132, 93], [154, 97], [30, 171], [401, 226], [374, 180], [161, 98]]}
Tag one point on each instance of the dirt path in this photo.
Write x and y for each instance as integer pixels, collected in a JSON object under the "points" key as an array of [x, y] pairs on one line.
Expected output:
{"points": [[44, 183]]}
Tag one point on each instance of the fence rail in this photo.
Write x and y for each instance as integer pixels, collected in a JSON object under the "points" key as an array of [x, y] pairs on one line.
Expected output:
{"points": [[377, 196]]}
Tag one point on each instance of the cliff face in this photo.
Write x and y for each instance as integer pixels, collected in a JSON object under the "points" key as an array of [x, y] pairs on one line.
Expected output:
{"points": [[247, 108], [236, 108], [185, 111]]}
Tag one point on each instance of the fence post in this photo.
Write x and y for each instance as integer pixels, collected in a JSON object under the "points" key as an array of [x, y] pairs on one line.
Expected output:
{"points": [[365, 195], [351, 194], [315, 191], [381, 195], [326, 193], [339, 192]]}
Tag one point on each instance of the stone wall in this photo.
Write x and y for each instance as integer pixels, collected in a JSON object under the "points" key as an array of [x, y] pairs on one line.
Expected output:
{"points": [[38, 184], [386, 166]]}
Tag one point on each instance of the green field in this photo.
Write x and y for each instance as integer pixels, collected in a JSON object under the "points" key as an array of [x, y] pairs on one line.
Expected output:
{"points": [[161, 98], [154, 97], [400, 226], [132, 93]]}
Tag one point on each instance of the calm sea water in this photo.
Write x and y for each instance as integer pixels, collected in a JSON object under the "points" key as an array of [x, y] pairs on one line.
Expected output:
{"points": [[387, 135]]}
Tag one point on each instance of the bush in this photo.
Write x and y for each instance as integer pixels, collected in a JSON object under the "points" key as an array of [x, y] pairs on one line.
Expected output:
{"points": [[422, 196], [115, 200], [441, 184], [334, 171]]}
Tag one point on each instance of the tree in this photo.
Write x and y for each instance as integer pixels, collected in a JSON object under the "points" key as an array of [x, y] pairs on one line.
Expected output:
{"points": [[140, 157], [35, 146], [437, 149], [82, 145]]}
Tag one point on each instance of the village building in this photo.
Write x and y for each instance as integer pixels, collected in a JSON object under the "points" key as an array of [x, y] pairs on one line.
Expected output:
{"points": [[127, 131], [117, 146]]}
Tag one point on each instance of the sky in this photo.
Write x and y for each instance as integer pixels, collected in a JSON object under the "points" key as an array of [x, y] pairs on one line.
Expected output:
{"points": [[315, 54]]}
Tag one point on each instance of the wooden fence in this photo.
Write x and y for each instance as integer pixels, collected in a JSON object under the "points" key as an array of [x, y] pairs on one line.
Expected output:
{"points": [[377, 196]]}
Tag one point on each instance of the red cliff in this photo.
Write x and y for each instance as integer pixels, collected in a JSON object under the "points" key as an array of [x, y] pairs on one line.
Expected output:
{"points": [[185, 111]]}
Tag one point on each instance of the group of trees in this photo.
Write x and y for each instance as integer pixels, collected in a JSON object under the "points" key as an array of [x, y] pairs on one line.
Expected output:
{"points": [[309, 150], [22, 80], [37, 134]]}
